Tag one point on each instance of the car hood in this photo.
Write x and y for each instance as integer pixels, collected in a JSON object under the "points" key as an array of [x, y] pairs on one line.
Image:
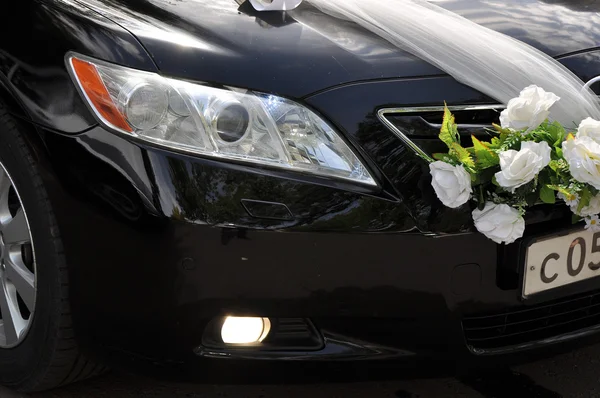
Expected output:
{"points": [[305, 51]]}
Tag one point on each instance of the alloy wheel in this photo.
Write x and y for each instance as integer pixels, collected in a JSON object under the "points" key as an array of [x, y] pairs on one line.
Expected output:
{"points": [[17, 266]]}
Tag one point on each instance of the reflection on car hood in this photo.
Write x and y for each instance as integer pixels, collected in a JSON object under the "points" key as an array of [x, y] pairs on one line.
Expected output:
{"points": [[304, 51]]}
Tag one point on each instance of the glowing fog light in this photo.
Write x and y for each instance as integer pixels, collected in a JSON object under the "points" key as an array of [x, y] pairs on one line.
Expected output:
{"points": [[244, 330]]}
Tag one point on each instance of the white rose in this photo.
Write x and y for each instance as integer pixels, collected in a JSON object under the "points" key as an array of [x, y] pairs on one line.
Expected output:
{"points": [[592, 208], [499, 222], [520, 167], [589, 128], [452, 184], [583, 156], [528, 110]]}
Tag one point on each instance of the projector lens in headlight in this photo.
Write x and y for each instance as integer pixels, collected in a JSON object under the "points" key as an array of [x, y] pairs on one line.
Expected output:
{"points": [[231, 124]]}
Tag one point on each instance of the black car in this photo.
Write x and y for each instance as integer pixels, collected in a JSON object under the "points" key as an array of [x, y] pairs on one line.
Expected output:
{"points": [[193, 181]]}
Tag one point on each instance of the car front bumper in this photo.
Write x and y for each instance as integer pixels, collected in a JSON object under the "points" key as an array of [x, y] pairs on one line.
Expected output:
{"points": [[159, 243]]}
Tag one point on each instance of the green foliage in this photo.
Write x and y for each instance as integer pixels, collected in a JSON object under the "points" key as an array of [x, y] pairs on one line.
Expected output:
{"points": [[449, 131], [531, 198], [556, 132], [486, 158], [547, 194], [495, 143], [462, 155], [482, 162], [569, 192], [559, 153], [483, 177], [481, 199], [584, 198], [559, 166], [444, 157], [512, 140], [501, 131]]}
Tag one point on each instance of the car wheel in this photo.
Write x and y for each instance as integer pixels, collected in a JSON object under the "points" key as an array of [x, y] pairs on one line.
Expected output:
{"points": [[37, 346]]}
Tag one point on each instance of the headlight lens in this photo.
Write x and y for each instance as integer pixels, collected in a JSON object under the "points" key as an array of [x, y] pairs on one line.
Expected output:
{"points": [[223, 123]]}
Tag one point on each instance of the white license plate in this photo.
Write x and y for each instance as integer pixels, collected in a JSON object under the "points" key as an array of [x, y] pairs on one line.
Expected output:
{"points": [[560, 260]]}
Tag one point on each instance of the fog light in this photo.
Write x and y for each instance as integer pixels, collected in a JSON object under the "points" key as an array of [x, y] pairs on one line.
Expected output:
{"points": [[244, 330]]}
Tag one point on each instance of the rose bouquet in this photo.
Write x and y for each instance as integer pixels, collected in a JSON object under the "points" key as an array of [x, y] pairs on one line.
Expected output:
{"points": [[527, 160]]}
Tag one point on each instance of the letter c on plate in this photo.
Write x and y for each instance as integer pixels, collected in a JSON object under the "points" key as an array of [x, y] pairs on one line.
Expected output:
{"points": [[546, 279]]}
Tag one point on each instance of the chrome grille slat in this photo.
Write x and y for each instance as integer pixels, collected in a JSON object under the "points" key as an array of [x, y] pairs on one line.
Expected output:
{"points": [[381, 115]]}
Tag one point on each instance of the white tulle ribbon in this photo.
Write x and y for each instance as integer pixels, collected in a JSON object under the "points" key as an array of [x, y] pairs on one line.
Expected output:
{"points": [[489, 61], [275, 5]]}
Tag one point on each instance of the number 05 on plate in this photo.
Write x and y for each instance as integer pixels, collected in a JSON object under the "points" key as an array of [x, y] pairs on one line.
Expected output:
{"points": [[557, 260]]}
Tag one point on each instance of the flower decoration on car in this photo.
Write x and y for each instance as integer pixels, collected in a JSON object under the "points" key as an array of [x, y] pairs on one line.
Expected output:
{"points": [[527, 160]]}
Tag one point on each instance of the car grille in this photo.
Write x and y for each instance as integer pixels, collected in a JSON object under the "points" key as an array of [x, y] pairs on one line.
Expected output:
{"points": [[425, 122], [530, 324]]}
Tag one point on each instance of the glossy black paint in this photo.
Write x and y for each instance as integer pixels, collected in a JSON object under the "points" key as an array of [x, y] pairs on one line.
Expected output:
{"points": [[303, 51], [32, 69], [222, 42], [158, 243], [187, 254]]}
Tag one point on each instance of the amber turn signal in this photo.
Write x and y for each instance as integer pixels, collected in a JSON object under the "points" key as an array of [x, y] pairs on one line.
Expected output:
{"points": [[90, 82]]}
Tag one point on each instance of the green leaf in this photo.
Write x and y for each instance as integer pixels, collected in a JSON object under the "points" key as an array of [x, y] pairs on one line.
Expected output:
{"points": [[539, 136], [531, 198], [575, 218], [559, 151], [556, 131], [485, 156], [444, 157], [495, 144], [500, 129], [568, 193], [512, 141], [584, 198], [449, 131], [481, 204], [547, 194], [482, 177], [559, 165], [462, 155]]}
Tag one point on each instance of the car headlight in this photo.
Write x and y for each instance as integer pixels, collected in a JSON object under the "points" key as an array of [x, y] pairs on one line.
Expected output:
{"points": [[226, 123]]}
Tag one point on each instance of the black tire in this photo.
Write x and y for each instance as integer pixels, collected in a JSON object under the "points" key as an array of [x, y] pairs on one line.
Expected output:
{"points": [[48, 356]]}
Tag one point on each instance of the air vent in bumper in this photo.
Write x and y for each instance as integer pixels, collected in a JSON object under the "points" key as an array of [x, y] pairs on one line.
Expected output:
{"points": [[490, 332]]}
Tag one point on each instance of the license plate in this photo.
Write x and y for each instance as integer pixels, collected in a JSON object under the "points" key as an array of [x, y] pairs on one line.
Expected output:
{"points": [[556, 261]]}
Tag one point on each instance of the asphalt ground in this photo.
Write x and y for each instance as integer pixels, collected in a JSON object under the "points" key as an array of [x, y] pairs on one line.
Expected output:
{"points": [[574, 374]]}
